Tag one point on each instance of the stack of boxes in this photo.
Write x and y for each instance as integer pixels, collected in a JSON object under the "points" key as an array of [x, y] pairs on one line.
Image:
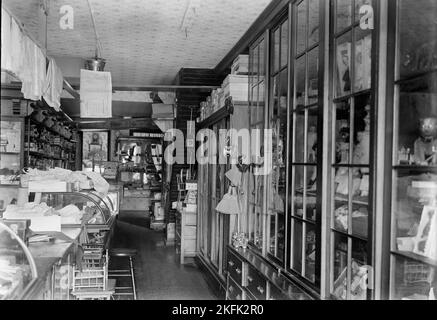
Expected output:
{"points": [[236, 85]]}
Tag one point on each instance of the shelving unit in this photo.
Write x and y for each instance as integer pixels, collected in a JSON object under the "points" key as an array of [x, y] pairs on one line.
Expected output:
{"points": [[46, 147]]}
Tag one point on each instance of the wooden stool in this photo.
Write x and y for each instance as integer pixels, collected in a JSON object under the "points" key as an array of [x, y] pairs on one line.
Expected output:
{"points": [[129, 253]]}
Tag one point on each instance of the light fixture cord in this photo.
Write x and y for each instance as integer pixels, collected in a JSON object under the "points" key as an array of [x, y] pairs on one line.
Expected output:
{"points": [[99, 47]]}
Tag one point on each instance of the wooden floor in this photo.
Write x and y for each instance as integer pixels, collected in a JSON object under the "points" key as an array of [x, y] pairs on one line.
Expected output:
{"points": [[158, 272]]}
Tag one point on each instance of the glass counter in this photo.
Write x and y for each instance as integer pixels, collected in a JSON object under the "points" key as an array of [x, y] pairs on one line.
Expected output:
{"points": [[17, 267], [96, 209]]}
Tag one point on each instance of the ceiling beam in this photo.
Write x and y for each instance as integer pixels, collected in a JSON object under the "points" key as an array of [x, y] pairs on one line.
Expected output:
{"points": [[118, 124], [158, 87]]}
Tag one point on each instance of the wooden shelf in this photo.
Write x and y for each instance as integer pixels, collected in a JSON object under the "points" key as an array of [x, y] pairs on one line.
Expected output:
{"points": [[351, 235], [41, 125], [416, 257], [355, 200], [42, 155], [220, 114], [415, 168]]}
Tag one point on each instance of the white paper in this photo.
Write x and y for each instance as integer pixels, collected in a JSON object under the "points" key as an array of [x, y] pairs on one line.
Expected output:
{"points": [[95, 94]]}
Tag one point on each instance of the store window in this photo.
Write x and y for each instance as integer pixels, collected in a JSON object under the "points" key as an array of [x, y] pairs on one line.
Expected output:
{"points": [[278, 117], [351, 185], [414, 200], [305, 226], [257, 60]]}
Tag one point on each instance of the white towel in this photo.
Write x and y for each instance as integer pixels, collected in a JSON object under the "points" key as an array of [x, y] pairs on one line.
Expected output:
{"points": [[16, 48], [34, 70], [95, 94], [53, 86], [6, 58]]}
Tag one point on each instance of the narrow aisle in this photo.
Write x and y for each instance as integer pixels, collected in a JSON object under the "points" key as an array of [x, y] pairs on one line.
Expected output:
{"points": [[158, 273]]}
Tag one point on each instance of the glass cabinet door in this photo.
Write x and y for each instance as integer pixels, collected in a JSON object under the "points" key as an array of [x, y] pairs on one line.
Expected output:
{"points": [[305, 159], [11, 150], [278, 117], [203, 207], [215, 190], [414, 201], [351, 187], [257, 60]]}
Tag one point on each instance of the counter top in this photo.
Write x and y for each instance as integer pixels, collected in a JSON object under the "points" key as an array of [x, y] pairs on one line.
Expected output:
{"points": [[47, 254]]}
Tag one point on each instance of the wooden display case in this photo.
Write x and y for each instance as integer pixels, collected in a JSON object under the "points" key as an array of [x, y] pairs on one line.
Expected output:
{"points": [[351, 178], [411, 259], [215, 229], [11, 158]]}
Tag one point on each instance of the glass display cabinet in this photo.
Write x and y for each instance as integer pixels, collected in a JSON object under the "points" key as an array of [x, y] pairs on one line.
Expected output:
{"points": [[214, 233], [11, 149], [413, 250], [98, 212], [257, 107], [17, 268], [11, 158], [278, 117], [351, 165], [305, 158]]}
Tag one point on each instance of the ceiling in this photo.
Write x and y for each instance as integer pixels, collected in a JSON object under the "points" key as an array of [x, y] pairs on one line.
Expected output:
{"points": [[142, 40]]}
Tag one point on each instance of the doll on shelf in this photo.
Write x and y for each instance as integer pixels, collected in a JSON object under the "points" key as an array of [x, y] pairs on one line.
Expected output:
{"points": [[425, 146]]}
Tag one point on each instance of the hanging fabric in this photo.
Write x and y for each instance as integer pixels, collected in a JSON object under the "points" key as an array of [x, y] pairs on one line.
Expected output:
{"points": [[6, 58], [95, 94], [234, 175], [33, 70], [229, 203], [53, 85], [16, 48]]}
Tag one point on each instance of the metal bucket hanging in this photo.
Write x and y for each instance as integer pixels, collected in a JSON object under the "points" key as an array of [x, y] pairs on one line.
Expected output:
{"points": [[95, 64]]}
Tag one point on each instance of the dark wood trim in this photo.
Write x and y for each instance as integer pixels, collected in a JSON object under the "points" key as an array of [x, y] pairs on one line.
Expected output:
{"points": [[290, 94], [159, 87], [320, 129], [262, 23], [118, 124], [390, 91], [291, 85]]}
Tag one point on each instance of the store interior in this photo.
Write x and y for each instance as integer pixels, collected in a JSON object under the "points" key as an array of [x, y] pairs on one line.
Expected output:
{"points": [[208, 150]]}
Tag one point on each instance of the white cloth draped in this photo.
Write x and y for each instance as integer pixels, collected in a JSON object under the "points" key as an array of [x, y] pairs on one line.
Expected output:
{"points": [[34, 70], [6, 58], [53, 86]]}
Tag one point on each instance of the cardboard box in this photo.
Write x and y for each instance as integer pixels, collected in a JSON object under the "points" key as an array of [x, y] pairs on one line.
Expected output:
{"points": [[236, 86], [240, 65], [162, 110]]}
